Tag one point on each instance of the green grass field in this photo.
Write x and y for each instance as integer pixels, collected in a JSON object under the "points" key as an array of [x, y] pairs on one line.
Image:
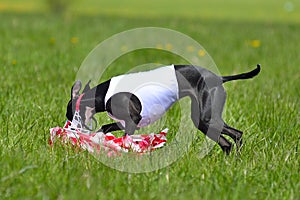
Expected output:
{"points": [[39, 58]]}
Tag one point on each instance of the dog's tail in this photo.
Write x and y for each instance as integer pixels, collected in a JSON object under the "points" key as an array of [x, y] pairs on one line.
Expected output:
{"points": [[246, 75]]}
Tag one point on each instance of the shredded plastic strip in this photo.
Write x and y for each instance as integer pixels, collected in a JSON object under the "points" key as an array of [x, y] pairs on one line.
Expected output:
{"points": [[75, 135]]}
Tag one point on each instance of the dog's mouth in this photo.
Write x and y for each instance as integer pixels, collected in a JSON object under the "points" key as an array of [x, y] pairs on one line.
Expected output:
{"points": [[89, 120], [90, 124]]}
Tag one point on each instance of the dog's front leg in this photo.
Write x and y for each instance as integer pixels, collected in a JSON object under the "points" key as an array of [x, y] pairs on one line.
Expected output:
{"points": [[130, 127], [111, 127], [126, 107], [114, 127]]}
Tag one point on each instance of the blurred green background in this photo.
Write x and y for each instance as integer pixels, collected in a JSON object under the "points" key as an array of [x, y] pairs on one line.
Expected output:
{"points": [[255, 10]]}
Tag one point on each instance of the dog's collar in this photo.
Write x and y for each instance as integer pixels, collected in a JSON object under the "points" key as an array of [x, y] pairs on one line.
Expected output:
{"points": [[78, 102], [76, 115]]}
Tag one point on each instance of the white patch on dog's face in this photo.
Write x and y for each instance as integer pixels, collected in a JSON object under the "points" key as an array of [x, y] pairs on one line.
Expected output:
{"points": [[89, 112]]}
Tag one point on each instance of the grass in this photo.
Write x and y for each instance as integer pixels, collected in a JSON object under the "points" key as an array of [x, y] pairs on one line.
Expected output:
{"points": [[40, 55]]}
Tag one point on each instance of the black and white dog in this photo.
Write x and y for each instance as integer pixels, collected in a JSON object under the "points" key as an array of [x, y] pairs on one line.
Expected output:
{"points": [[138, 99]]}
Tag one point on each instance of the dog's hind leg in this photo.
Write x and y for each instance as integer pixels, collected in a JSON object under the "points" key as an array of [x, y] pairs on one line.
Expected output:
{"points": [[235, 134], [210, 129], [214, 132], [225, 144], [218, 98]]}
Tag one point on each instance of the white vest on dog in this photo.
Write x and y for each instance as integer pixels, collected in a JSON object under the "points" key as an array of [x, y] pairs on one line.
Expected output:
{"points": [[157, 91]]}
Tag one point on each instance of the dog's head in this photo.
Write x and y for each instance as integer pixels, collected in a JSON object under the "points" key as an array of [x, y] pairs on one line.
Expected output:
{"points": [[86, 104]]}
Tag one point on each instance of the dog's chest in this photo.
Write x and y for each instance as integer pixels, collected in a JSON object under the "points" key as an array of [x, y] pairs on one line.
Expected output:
{"points": [[157, 90]]}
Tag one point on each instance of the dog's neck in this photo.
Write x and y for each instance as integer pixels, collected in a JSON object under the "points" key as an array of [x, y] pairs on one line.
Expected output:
{"points": [[99, 94]]}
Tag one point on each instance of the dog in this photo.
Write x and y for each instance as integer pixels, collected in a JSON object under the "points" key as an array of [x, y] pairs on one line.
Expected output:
{"points": [[138, 99]]}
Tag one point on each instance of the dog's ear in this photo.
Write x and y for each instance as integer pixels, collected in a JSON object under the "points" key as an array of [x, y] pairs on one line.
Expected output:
{"points": [[87, 87], [75, 89]]}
